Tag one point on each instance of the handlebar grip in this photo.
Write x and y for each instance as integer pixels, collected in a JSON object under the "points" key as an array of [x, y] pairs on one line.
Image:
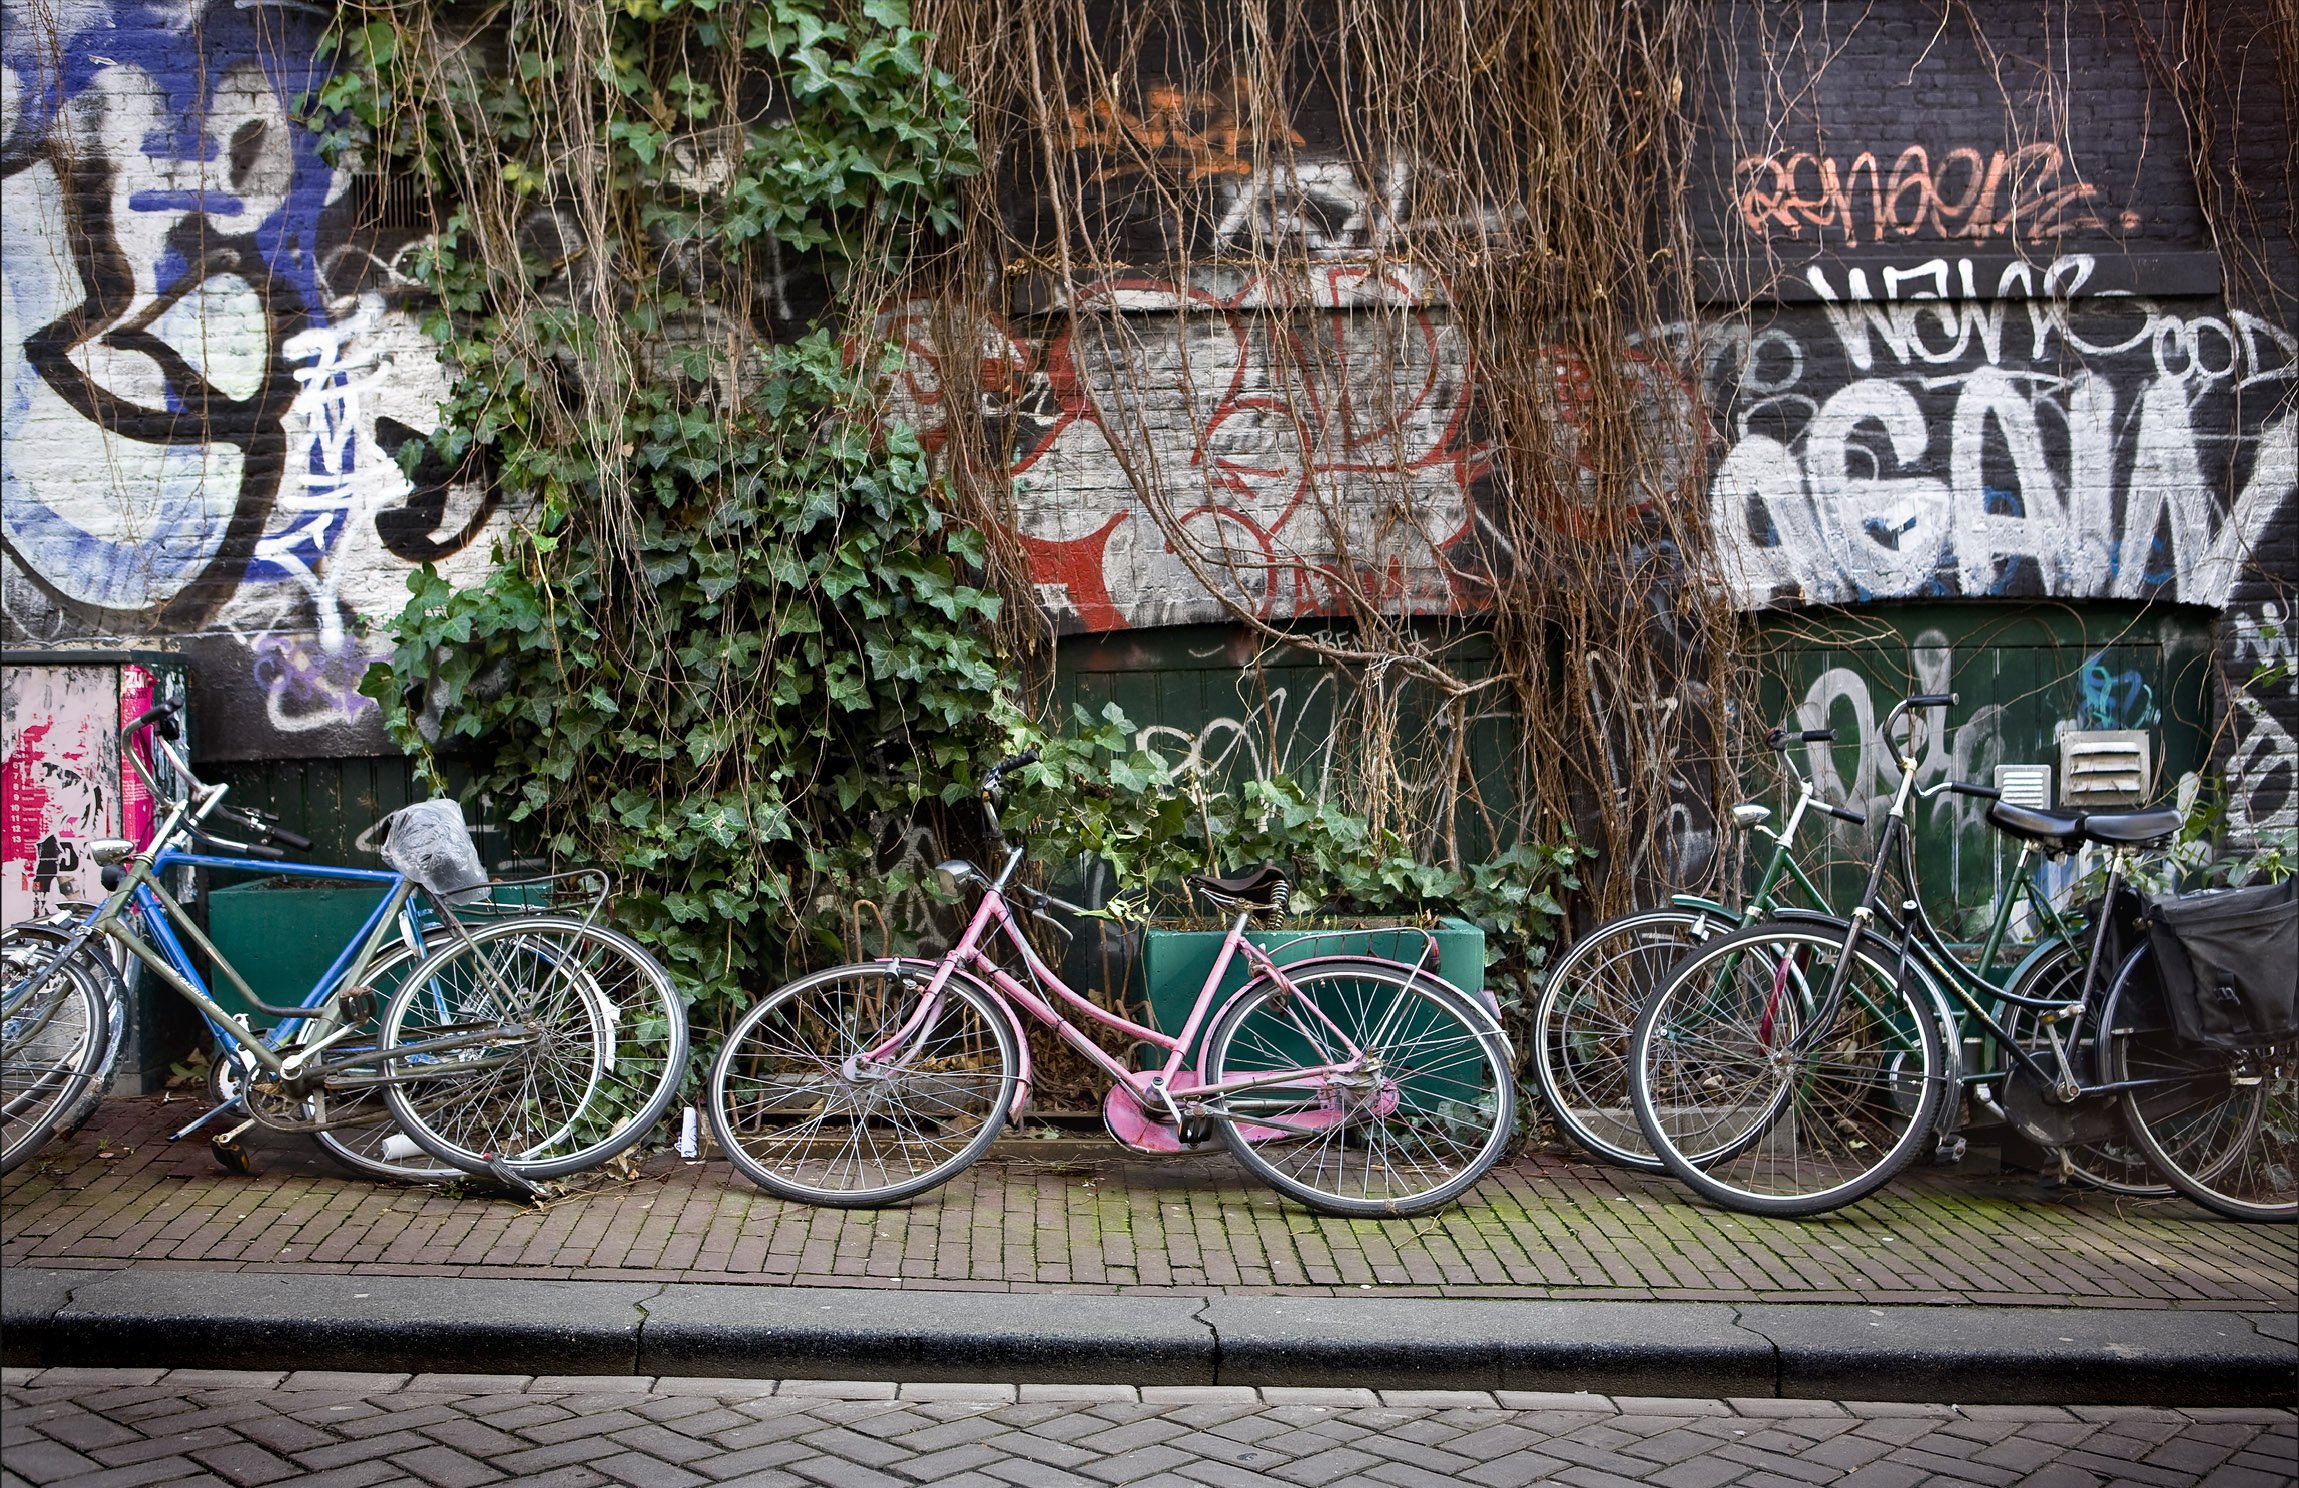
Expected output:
{"points": [[1819, 736], [295, 840], [1782, 738], [1984, 792], [1932, 700], [1843, 814], [263, 850], [163, 715], [998, 771]]}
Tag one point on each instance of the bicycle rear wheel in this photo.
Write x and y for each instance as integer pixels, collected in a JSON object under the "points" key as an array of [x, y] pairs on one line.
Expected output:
{"points": [[1403, 1100], [1586, 1019], [55, 1036], [546, 1043], [1757, 1105], [836, 1089], [2220, 1125]]}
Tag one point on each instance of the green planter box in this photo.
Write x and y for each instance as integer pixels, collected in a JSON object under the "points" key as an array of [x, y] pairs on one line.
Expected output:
{"points": [[1174, 963], [282, 935]]}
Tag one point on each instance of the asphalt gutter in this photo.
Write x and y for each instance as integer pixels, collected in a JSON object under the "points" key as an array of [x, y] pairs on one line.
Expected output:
{"points": [[273, 1321]]}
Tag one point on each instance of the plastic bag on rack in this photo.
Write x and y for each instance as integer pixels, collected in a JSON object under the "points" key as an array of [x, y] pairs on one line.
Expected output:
{"points": [[430, 843]]}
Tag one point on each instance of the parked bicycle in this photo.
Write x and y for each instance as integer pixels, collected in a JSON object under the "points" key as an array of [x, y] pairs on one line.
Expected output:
{"points": [[1587, 1012], [524, 1046], [1358, 1085], [1788, 1069], [1585, 1022]]}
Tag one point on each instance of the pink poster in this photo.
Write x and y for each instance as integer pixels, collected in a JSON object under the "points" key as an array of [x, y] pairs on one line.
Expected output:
{"points": [[137, 694], [60, 774]]}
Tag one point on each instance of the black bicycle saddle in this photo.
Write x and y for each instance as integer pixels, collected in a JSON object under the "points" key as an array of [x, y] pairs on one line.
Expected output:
{"points": [[2132, 828], [2053, 831], [1264, 887]]}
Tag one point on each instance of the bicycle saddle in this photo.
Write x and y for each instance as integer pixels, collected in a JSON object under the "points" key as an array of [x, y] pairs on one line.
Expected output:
{"points": [[1264, 887], [2053, 831], [2132, 828]]}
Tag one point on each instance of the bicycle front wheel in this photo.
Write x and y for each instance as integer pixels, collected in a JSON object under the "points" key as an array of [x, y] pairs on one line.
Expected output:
{"points": [[546, 1043], [847, 1088], [1762, 1097], [54, 1036], [1586, 1018], [360, 1134], [2220, 1125], [1375, 1092]]}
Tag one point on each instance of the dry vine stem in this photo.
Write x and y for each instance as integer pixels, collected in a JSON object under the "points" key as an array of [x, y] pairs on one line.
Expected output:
{"points": [[1522, 172]]}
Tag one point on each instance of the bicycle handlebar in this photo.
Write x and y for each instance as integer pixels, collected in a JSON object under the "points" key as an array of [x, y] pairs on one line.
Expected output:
{"points": [[162, 714], [998, 772], [1907, 704], [1782, 738]]}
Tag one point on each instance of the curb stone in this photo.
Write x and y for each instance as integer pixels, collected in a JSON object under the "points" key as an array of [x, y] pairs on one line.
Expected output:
{"points": [[417, 1324]]}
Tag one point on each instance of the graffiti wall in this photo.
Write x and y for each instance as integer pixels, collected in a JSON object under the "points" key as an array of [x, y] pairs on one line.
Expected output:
{"points": [[1959, 441], [209, 370], [1968, 340], [1172, 442]]}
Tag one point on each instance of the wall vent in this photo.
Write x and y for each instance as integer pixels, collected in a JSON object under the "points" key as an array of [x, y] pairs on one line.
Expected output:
{"points": [[2104, 767], [2026, 785]]}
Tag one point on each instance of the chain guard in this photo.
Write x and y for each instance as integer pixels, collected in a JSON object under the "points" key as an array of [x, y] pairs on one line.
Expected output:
{"points": [[2086, 1120]]}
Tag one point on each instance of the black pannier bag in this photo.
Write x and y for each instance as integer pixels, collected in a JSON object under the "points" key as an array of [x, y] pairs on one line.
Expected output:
{"points": [[2230, 964]]}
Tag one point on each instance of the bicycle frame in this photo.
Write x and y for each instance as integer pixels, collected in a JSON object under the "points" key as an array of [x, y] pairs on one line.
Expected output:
{"points": [[1170, 1088], [322, 1020], [1945, 972], [1780, 864]]}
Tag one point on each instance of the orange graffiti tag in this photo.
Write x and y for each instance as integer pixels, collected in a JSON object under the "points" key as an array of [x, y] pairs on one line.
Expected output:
{"points": [[2028, 193], [1198, 134]]}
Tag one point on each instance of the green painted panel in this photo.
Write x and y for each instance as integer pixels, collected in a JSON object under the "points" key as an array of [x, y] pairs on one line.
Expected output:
{"points": [[1175, 963], [2024, 674], [1226, 699]]}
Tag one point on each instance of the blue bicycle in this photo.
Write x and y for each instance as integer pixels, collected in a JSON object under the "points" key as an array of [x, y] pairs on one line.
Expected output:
{"points": [[482, 1037]]}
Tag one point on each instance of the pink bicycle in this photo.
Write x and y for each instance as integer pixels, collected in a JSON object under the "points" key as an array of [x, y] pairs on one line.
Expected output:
{"points": [[1359, 1085]]}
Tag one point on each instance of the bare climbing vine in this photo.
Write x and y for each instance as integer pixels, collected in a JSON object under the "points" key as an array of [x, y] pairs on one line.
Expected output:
{"points": [[1339, 180]]}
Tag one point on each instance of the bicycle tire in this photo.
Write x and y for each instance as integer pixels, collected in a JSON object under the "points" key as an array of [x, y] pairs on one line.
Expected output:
{"points": [[364, 1146], [606, 1050], [2220, 1125], [1413, 1137], [1796, 1123], [1586, 1019], [787, 1085], [56, 1037], [2116, 1165]]}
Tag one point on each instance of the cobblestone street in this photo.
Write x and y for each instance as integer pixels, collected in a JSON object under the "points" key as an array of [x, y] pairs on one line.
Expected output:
{"points": [[73, 1427], [1079, 1216]]}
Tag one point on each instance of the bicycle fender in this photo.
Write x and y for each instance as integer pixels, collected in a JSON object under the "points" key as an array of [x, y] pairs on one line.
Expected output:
{"points": [[1704, 905], [1022, 1080]]}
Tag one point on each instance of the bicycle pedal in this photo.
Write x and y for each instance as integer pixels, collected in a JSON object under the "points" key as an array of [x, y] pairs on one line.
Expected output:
{"points": [[231, 1155], [1949, 1151]]}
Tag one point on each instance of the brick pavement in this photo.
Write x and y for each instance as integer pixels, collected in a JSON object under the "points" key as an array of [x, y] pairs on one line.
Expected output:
{"points": [[1079, 1216], [79, 1428]]}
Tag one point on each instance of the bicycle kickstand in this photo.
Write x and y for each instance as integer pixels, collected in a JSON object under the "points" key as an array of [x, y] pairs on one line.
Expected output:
{"points": [[212, 1112]]}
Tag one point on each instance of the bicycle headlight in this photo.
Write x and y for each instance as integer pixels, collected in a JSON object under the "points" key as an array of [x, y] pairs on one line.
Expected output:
{"points": [[954, 873], [110, 849]]}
